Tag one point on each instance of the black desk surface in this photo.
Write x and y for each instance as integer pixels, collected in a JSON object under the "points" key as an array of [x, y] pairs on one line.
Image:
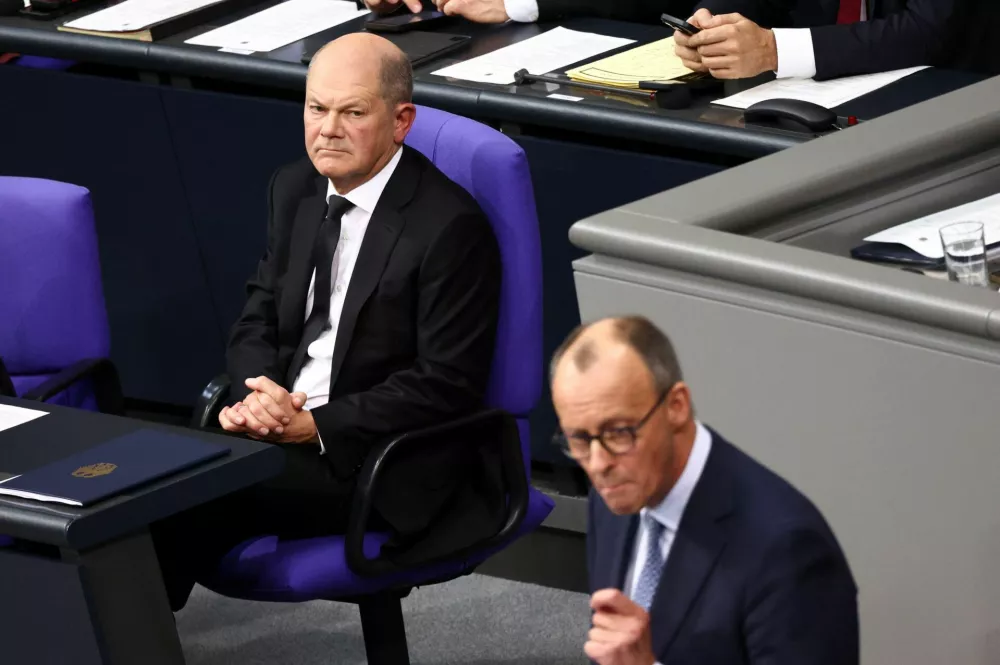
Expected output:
{"points": [[67, 431], [703, 127]]}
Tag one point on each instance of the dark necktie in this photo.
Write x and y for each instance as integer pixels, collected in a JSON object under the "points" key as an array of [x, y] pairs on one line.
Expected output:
{"points": [[322, 259], [850, 12]]}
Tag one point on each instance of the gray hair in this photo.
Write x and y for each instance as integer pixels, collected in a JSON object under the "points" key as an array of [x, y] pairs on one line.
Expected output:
{"points": [[396, 79], [638, 333]]}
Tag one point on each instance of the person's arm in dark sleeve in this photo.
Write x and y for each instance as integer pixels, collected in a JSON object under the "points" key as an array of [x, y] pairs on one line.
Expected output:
{"points": [[910, 38], [253, 341], [457, 312], [802, 605]]}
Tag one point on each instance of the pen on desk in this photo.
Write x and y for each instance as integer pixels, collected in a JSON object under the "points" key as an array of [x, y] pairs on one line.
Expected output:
{"points": [[522, 76]]}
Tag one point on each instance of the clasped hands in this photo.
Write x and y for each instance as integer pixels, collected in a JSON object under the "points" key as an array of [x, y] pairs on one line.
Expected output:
{"points": [[729, 46], [270, 413]]}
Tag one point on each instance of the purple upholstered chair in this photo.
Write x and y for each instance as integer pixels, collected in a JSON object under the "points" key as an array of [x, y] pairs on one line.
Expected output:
{"points": [[42, 62], [53, 325], [495, 171]]}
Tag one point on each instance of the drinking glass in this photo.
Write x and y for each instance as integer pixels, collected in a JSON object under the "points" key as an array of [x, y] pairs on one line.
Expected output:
{"points": [[964, 247]]}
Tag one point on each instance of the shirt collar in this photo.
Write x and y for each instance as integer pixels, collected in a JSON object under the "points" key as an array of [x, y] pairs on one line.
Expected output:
{"points": [[366, 196], [670, 511]]}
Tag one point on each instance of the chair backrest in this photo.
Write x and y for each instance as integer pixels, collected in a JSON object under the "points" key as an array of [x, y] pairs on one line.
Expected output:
{"points": [[494, 170], [52, 312]]}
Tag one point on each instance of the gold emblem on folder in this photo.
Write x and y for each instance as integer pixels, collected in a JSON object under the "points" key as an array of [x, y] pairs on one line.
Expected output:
{"points": [[94, 470]]}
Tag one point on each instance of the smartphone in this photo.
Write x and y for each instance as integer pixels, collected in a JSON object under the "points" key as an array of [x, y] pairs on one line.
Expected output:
{"points": [[679, 25], [407, 21]]}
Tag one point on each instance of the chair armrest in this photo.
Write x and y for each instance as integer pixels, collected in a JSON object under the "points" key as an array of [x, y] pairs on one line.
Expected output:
{"points": [[464, 435], [210, 402], [103, 376], [6, 385]]}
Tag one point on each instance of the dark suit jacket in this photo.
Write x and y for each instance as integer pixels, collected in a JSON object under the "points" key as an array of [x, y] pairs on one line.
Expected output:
{"points": [[901, 33], [754, 574], [415, 340]]}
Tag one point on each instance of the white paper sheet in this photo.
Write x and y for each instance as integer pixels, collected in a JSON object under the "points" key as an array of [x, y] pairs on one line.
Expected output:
{"points": [[825, 93], [21, 494], [281, 25], [137, 14], [551, 50], [12, 416], [921, 235]]}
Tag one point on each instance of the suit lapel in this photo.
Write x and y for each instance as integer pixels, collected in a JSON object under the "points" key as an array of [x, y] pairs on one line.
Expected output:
{"points": [[380, 238], [308, 218], [621, 539], [697, 546]]}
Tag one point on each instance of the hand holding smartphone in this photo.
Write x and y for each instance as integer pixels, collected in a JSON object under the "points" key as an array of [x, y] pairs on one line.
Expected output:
{"points": [[679, 25]]}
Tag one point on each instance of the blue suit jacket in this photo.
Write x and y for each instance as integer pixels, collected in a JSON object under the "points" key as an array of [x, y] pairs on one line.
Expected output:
{"points": [[754, 574]]}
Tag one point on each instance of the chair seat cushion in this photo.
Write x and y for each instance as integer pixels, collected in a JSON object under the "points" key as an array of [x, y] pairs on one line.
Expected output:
{"points": [[265, 568]]}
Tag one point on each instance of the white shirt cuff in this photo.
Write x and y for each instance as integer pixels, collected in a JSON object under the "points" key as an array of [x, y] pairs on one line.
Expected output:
{"points": [[522, 11], [796, 58]]}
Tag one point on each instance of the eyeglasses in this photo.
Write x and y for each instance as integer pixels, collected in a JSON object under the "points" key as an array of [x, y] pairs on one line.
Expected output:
{"points": [[615, 440]]}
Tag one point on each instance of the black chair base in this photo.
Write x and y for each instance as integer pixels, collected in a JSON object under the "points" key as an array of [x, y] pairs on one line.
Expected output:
{"points": [[384, 631]]}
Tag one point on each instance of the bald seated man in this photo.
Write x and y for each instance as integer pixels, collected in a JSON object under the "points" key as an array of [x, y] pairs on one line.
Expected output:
{"points": [[697, 554], [373, 312]]}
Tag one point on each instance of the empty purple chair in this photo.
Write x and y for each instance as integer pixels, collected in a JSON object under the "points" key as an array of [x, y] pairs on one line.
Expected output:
{"points": [[348, 568], [53, 324]]}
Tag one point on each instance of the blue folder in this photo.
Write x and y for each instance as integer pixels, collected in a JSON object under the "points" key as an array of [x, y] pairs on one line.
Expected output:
{"points": [[112, 468]]}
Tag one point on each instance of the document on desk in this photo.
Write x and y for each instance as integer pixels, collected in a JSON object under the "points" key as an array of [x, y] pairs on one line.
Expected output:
{"points": [[825, 93], [133, 15], [12, 416], [549, 51], [921, 235], [655, 61], [281, 25]]}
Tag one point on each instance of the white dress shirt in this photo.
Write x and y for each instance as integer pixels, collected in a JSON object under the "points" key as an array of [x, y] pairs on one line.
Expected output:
{"points": [[314, 377], [523, 11], [670, 511], [796, 58]]}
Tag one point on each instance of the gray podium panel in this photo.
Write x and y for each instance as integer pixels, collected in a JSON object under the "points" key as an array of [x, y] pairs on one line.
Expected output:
{"points": [[869, 388], [888, 426]]}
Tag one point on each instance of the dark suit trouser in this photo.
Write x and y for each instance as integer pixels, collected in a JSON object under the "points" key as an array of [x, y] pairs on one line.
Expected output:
{"points": [[305, 501]]}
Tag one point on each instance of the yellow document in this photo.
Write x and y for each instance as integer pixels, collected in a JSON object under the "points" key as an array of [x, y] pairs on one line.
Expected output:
{"points": [[655, 61]]}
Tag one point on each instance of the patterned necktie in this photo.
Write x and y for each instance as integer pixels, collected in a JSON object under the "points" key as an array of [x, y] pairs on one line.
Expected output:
{"points": [[652, 568], [323, 252]]}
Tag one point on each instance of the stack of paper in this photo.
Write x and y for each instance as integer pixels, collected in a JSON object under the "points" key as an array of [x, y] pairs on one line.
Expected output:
{"points": [[280, 25], [12, 416], [655, 61], [133, 15], [549, 51], [825, 93], [922, 235]]}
